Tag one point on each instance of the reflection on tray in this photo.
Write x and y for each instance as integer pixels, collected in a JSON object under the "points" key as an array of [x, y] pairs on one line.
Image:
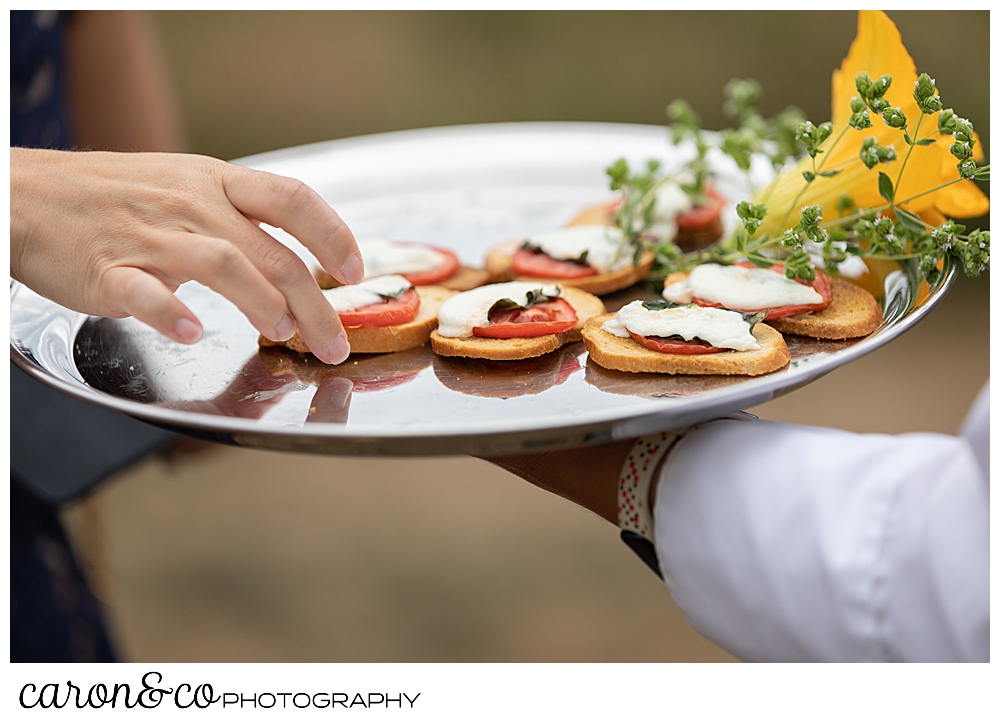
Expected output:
{"points": [[505, 379], [367, 372], [803, 346], [640, 291], [682, 385], [656, 385], [335, 385], [249, 395]]}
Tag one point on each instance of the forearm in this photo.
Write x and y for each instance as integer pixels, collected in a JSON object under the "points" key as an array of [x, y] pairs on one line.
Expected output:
{"points": [[119, 91]]}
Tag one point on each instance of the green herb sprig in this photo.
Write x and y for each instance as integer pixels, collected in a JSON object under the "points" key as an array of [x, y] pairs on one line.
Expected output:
{"points": [[889, 231]]}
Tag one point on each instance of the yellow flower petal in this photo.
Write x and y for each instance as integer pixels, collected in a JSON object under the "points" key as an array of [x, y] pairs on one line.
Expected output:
{"points": [[933, 217], [878, 49], [961, 200]]}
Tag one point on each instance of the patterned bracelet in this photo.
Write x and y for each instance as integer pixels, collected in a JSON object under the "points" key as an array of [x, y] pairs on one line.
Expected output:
{"points": [[635, 518]]}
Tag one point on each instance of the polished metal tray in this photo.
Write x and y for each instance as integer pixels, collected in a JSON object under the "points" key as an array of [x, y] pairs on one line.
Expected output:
{"points": [[467, 188]]}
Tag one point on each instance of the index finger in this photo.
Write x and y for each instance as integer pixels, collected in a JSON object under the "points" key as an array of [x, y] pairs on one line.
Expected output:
{"points": [[291, 205]]}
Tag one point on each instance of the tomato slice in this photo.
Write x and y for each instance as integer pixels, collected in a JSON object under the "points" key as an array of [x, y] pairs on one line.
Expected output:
{"points": [[546, 317], [676, 346], [702, 216], [449, 265], [384, 313], [542, 266], [821, 284]]}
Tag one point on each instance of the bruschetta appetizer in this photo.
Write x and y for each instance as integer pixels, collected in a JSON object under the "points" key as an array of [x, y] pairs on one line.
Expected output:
{"points": [[666, 338], [823, 308], [512, 320], [383, 314], [590, 258]]}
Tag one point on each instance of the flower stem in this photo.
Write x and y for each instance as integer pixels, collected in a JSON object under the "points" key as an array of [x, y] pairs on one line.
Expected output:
{"points": [[860, 214], [816, 170], [830, 149], [916, 132]]}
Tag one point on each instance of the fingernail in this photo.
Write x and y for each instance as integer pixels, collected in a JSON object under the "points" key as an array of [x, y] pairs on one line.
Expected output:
{"points": [[354, 269], [187, 331], [285, 328], [339, 350]]}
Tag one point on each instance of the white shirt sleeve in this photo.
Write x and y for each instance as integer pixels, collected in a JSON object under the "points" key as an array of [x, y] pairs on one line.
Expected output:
{"points": [[789, 543]]}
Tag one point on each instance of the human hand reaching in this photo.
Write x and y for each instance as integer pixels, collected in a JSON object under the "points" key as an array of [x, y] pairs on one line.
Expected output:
{"points": [[115, 234]]}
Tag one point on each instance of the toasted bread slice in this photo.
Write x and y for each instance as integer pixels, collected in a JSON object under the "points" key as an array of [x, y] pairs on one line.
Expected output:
{"points": [[463, 279], [499, 267], [628, 355], [586, 306], [852, 312], [383, 339]]}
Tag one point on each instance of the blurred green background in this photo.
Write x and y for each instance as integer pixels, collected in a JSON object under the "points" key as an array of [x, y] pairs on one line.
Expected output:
{"points": [[243, 555], [255, 81]]}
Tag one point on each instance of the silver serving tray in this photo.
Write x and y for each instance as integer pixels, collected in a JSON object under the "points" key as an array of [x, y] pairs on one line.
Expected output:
{"points": [[467, 188]]}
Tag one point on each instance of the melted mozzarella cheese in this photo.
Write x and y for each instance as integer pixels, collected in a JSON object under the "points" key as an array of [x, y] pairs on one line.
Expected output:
{"points": [[369, 291], [460, 314], [382, 257], [739, 287], [671, 201], [718, 327], [599, 241]]}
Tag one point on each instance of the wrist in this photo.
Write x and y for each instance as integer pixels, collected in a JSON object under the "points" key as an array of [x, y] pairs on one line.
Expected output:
{"points": [[587, 476]]}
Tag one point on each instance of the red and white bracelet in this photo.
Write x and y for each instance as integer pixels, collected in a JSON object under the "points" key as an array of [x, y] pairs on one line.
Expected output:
{"points": [[635, 518], [633, 484]]}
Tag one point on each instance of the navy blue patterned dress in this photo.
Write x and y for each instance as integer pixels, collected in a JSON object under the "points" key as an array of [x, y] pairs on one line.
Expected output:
{"points": [[59, 447]]}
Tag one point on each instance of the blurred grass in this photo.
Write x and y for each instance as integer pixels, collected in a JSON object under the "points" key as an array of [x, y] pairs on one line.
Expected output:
{"points": [[247, 555]]}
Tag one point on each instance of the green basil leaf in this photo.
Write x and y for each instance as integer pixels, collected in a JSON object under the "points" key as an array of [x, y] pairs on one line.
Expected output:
{"points": [[398, 295], [660, 305], [501, 304], [533, 296], [753, 317]]}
